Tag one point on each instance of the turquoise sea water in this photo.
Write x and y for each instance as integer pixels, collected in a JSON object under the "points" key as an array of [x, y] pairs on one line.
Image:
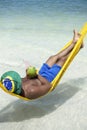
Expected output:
{"points": [[41, 20], [41, 15]]}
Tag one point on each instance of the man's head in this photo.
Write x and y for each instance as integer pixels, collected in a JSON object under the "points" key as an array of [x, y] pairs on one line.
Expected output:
{"points": [[11, 80]]}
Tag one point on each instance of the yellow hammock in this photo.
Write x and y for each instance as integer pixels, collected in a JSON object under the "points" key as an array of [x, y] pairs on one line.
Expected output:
{"points": [[65, 66]]}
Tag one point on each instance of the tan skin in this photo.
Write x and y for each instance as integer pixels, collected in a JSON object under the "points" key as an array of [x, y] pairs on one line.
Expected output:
{"points": [[39, 86]]}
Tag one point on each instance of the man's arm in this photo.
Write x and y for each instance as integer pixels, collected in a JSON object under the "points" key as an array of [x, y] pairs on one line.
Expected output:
{"points": [[37, 91]]}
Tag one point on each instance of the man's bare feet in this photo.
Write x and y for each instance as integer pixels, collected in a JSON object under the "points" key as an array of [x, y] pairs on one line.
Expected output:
{"points": [[76, 37]]}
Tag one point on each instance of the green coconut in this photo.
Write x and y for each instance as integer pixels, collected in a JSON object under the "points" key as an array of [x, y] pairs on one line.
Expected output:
{"points": [[31, 72]]}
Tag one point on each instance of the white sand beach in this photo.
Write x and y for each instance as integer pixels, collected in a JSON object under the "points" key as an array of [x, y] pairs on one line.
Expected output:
{"points": [[64, 109]]}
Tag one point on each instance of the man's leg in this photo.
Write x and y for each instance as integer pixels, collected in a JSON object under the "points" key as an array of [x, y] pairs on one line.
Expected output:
{"points": [[61, 57], [62, 60]]}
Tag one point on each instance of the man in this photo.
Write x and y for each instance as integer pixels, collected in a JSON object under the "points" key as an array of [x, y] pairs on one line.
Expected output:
{"points": [[40, 85]]}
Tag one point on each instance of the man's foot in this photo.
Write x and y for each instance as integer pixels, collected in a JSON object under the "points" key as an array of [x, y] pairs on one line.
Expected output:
{"points": [[76, 37]]}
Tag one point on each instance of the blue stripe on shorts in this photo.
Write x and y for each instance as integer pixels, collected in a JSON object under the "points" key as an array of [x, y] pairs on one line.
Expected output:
{"points": [[49, 72]]}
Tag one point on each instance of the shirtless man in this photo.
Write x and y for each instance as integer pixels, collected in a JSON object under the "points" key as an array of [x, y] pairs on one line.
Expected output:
{"points": [[34, 88], [39, 86]]}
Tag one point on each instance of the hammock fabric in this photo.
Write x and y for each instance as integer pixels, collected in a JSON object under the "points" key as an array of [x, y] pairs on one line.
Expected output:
{"points": [[55, 82]]}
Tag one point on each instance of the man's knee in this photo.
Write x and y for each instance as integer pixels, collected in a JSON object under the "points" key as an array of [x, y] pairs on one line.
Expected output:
{"points": [[52, 57]]}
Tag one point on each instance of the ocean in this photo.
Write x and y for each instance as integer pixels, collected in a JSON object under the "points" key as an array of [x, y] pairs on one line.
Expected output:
{"points": [[41, 22], [30, 32]]}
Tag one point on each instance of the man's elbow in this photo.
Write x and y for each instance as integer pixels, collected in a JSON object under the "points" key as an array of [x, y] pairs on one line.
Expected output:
{"points": [[32, 94]]}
